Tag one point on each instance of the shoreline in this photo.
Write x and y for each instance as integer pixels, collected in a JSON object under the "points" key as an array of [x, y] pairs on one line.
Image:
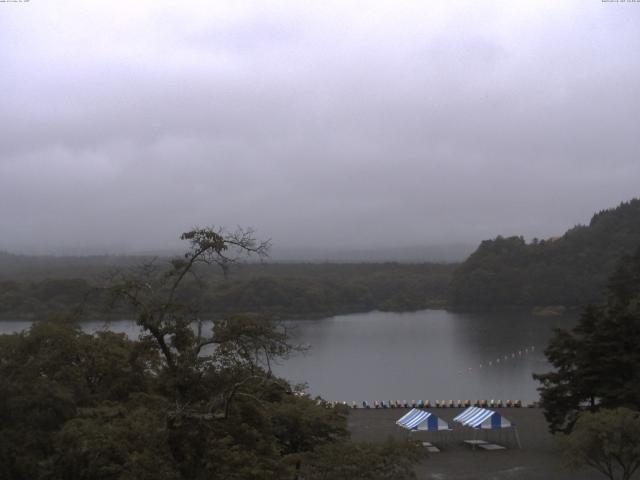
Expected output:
{"points": [[536, 311]]}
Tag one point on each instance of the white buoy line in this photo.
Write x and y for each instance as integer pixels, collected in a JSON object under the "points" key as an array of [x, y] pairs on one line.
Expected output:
{"points": [[502, 359]]}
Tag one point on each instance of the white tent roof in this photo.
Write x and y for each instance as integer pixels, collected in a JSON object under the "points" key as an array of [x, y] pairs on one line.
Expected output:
{"points": [[477, 417], [422, 420]]}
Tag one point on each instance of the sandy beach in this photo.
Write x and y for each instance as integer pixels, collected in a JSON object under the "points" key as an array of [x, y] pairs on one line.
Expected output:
{"points": [[538, 459]]}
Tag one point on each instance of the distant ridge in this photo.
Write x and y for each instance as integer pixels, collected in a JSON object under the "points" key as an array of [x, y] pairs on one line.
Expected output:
{"points": [[570, 270]]}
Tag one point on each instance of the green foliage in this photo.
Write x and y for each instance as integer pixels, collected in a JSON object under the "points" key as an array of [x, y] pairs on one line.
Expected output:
{"points": [[300, 425], [283, 290], [179, 403], [81, 406], [47, 376], [608, 440], [116, 441], [571, 270], [597, 363]]}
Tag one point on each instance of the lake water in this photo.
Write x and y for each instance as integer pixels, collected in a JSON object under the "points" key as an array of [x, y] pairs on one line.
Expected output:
{"points": [[430, 354]]}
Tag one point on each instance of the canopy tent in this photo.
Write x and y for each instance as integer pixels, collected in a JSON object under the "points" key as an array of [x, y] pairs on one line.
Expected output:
{"points": [[422, 420], [476, 417], [482, 418]]}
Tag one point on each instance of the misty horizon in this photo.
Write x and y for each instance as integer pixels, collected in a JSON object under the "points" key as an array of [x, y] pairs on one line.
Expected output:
{"points": [[446, 253]]}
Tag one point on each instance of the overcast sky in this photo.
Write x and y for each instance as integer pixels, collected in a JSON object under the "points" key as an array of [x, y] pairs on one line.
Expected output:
{"points": [[330, 124]]}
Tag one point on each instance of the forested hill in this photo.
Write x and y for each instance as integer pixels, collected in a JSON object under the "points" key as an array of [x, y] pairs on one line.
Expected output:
{"points": [[36, 286], [571, 270]]}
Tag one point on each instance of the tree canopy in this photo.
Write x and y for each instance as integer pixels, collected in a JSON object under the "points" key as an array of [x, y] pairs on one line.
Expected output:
{"points": [[597, 363], [608, 441], [570, 270]]}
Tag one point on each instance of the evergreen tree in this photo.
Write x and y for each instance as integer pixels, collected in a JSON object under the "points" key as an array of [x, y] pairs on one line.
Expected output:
{"points": [[598, 362]]}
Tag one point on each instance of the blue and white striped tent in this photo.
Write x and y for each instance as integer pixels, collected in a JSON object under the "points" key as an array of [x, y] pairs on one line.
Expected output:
{"points": [[483, 419], [422, 420], [476, 417]]}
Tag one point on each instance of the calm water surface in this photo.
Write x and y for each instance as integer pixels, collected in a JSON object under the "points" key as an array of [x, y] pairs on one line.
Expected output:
{"points": [[430, 354]]}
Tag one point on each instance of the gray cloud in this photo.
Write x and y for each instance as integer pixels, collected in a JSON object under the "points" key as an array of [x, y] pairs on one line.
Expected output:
{"points": [[352, 124]]}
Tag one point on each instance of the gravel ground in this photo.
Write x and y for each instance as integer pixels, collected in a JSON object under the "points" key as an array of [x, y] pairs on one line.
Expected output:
{"points": [[538, 459]]}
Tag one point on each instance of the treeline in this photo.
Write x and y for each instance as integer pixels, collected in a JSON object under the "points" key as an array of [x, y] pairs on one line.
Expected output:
{"points": [[282, 290], [41, 267], [571, 270], [326, 289]]}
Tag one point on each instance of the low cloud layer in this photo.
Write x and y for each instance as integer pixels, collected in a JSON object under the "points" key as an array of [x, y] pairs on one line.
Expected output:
{"points": [[345, 124]]}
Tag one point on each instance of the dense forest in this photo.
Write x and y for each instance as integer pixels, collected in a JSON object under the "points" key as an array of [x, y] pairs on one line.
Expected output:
{"points": [[571, 270], [32, 286], [597, 362]]}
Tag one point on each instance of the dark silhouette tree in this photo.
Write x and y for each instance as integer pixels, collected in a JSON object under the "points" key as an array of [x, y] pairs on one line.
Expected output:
{"points": [[597, 363]]}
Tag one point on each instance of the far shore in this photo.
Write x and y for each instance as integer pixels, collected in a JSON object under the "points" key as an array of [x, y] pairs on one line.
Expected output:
{"points": [[88, 316]]}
